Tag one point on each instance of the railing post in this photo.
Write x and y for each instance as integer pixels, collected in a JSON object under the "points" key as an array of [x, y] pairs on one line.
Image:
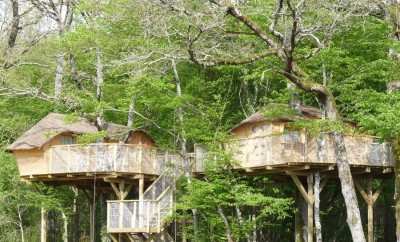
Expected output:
{"points": [[121, 215], [89, 165], [108, 216], [114, 160], [148, 217], [133, 221], [159, 216]]}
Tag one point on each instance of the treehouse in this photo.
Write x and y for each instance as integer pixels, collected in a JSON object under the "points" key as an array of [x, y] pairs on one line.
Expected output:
{"points": [[140, 178], [125, 163], [274, 142], [49, 151], [269, 142]]}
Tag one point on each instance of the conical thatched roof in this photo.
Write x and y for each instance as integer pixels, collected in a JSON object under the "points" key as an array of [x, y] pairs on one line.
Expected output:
{"points": [[54, 124]]}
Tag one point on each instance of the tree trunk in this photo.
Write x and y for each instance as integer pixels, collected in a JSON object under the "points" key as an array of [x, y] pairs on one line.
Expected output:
{"points": [[65, 223], [43, 225], [183, 142], [92, 222], [228, 231], [240, 219], [99, 74], [131, 112], [348, 191], [76, 216], [74, 72], [317, 190], [14, 29], [99, 88], [58, 81], [300, 219], [21, 226]]}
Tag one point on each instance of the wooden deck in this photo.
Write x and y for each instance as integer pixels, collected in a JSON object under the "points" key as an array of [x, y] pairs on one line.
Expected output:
{"points": [[79, 162], [295, 151], [278, 153]]}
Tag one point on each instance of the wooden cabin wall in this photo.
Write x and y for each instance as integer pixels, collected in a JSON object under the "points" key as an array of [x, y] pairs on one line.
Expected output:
{"points": [[259, 129], [138, 137], [31, 162]]}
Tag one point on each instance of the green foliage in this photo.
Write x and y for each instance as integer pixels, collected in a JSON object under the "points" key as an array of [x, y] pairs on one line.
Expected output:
{"points": [[90, 138], [315, 127], [232, 192], [273, 111]]}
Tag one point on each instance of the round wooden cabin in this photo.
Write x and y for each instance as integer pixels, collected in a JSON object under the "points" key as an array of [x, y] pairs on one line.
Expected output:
{"points": [[269, 144], [48, 151]]}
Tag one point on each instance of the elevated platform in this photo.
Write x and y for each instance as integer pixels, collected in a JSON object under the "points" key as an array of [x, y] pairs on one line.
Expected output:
{"points": [[66, 163], [297, 152]]}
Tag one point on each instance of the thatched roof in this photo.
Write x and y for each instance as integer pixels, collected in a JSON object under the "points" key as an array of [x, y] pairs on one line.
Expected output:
{"points": [[302, 112], [54, 124], [49, 127]]}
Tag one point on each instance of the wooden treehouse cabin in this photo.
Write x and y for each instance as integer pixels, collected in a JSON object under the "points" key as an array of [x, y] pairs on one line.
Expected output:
{"points": [[263, 144], [123, 161], [128, 164]]}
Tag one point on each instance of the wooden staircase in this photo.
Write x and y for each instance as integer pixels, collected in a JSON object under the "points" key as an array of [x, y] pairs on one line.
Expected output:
{"points": [[146, 219]]}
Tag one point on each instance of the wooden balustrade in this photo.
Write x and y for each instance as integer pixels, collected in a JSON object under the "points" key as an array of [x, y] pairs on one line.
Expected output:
{"points": [[105, 157], [296, 147], [147, 216]]}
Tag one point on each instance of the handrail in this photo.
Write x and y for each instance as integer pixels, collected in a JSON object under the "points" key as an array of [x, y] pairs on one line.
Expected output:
{"points": [[146, 200], [277, 134], [105, 144]]}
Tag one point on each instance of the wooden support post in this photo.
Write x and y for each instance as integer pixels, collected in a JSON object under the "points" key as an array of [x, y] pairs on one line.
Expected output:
{"points": [[43, 225], [370, 198], [370, 212], [309, 198], [141, 188], [141, 198], [116, 190]]}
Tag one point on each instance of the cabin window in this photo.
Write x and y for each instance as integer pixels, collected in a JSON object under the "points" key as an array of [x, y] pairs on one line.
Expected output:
{"points": [[67, 140]]}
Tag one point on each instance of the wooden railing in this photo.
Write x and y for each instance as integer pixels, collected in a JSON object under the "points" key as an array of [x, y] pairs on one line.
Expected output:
{"points": [[296, 147], [107, 157], [139, 216]]}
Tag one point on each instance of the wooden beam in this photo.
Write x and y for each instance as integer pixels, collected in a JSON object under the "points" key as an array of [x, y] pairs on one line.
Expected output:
{"points": [[329, 168], [323, 184], [131, 239], [370, 198], [387, 170], [113, 238], [116, 190], [299, 185], [125, 193], [299, 168], [360, 189]]}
